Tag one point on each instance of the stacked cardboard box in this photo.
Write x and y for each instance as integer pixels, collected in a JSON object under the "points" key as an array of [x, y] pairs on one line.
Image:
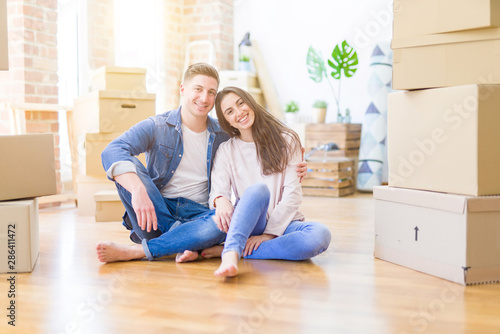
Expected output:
{"points": [[27, 171], [117, 101], [441, 212]]}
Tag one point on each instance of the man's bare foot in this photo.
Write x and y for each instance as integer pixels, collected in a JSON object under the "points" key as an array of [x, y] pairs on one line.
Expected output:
{"points": [[229, 265], [111, 252], [187, 256], [214, 251]]}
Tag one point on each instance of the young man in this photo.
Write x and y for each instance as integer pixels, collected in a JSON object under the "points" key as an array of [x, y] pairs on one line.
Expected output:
{"points": [[167, 202]]}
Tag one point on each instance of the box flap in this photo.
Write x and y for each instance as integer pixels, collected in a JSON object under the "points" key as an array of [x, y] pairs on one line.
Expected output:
{"points": [[120, 70], [427, 199], [446, 38], [483, 204]]}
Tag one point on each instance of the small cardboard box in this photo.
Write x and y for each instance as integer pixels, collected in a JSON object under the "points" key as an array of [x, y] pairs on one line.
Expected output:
{"points": [[27, 166], [88, 186], [109, 207], [445, 139], [240, 79], [93, 146], [111, 111], [119, 78], [446, 60], [4, 50], [19, 235], [424, 17], [449, 236]]}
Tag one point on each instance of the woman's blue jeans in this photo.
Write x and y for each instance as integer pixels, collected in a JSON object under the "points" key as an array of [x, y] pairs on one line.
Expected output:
{"points": [[182, 224], [300, 241]]}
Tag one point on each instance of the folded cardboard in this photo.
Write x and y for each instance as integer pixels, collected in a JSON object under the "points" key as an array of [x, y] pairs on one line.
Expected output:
{"points": [[119, 78], [445, 139], [19, 236], [4, 50], [92, 148], [109, 207], [27, 166], [111, 111], [449, 236], [88, 186], [425, 17], [445, 60]]}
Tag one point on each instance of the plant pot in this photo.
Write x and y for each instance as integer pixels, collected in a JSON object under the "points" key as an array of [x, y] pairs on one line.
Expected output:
{"points": [[319, 115], [244, 66], [290, 117]]}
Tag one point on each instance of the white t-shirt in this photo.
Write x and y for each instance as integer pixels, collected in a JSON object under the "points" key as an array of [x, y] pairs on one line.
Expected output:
{"points": [[190, 179], [236, 166]]}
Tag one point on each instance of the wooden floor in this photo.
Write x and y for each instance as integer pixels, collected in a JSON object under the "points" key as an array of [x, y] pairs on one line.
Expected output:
{"points": [[344, 290]]}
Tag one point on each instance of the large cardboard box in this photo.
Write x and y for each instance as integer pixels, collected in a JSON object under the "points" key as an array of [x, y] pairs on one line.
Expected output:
{"points": [[425, 17], [445, 60], [4, 50], [111, 111], [449, 236], [109, 207], [93, 146], [88, 186], [27, 166], [119, 78], [445, 139], [18, 235]]}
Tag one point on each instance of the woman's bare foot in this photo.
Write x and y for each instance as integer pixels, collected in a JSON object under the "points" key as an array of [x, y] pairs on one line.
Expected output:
{"points": [[214, 251], [229, 265], [111, 252], [187, 256]]}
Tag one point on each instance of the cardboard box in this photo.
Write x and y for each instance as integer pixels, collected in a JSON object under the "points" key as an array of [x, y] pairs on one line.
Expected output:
{"points": [[240, 79], [119, 78], [425, 17], [445, 139], [92, 148], [4, 50], [449, 236], [111, 111], [445, 60], [88, 186], [19, 235], [109, 207], [27, 166]]}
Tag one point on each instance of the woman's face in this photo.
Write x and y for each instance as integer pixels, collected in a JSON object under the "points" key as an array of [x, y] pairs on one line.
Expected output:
{"points": [[237, 113]]}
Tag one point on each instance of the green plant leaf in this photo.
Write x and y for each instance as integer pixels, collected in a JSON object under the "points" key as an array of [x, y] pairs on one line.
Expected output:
{"points": [[345, 59], [315, 65]]}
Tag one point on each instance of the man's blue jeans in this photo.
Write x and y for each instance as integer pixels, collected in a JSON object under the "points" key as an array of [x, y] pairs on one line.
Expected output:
{"points": [[300, 241], [182, 224]]}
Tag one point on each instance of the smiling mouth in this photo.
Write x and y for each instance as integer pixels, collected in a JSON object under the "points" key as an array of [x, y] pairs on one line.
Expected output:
{"points": [[243, 119]]}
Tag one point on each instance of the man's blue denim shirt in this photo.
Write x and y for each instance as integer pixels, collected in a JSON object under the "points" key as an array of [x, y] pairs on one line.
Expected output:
{"points": [[160, 138]]}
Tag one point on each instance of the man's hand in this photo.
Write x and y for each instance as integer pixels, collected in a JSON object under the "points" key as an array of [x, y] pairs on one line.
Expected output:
{"points": [[223, 213], [254, 242], [143, 207], [302, 167], [144, 210]]}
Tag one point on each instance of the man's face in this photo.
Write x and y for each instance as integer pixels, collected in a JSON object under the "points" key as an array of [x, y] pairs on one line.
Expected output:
{"points": [[198, 95]]}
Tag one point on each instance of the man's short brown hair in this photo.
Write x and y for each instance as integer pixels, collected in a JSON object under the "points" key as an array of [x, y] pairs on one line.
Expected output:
{"points": [[201, 69]]}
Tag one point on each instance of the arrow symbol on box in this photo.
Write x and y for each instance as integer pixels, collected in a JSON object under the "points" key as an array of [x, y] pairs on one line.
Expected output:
{"points": [[416, 233]]}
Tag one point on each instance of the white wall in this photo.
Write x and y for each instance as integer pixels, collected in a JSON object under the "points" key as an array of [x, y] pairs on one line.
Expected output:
{"points": [[285, 29]]}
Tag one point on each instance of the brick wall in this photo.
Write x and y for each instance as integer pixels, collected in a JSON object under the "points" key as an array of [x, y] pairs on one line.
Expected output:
{"points": [[101, 46]]}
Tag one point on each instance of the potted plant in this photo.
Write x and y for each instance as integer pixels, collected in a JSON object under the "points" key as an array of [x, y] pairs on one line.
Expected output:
{"points": [[291, 109], [319, 111], [344, 63]]}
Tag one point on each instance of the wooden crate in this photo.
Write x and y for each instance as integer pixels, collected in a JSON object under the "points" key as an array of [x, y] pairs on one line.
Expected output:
{"points": [[334, 177], [347, 136]]}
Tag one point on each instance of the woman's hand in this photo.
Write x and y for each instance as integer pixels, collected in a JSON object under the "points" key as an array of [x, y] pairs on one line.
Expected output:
{"points": [[254, 242], [223, 213]]}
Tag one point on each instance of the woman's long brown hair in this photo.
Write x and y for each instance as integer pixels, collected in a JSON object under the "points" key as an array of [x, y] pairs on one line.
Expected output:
{"points": [[275, 142]]}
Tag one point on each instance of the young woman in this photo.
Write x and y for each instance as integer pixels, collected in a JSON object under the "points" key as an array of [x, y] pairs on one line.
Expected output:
{"points": [[258, 164]]}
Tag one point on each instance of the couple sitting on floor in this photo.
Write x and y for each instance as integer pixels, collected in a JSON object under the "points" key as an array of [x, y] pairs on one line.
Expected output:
{"points": [[194, 164]]}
